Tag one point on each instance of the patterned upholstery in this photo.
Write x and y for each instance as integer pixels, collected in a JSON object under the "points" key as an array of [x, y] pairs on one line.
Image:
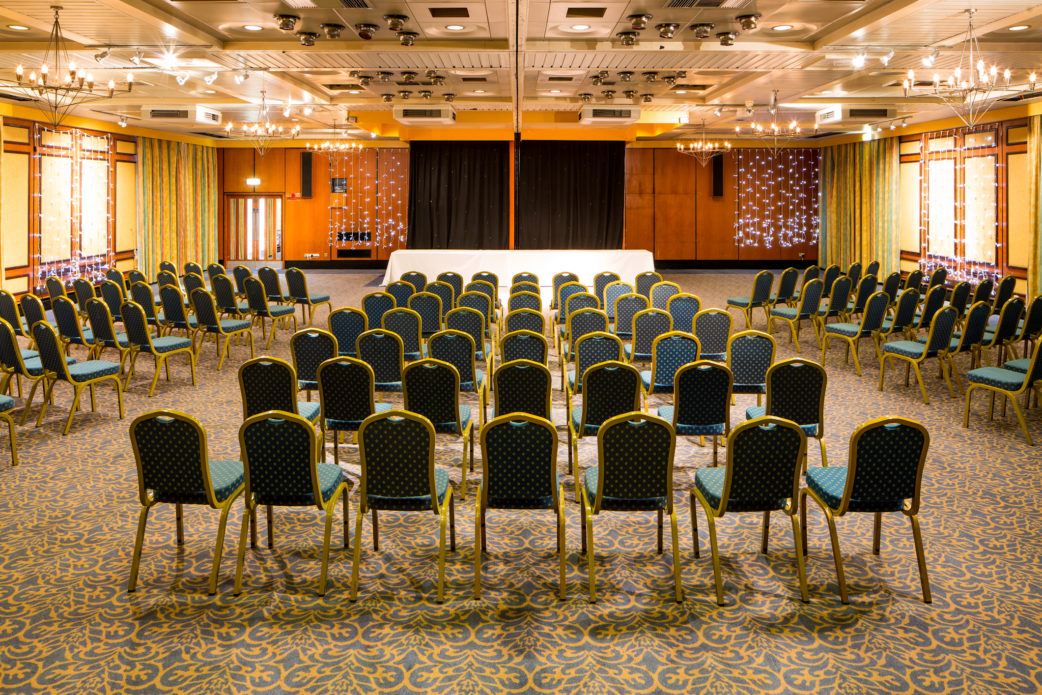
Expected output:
{"points": [[266, 384], [671, 352], [761, 292], [763, 460], [298, 288], [592, 349], [837, 300], [224, 295], [397, 452], [485, 287], [645, 281], [383, 351], [702, 401], [523, 386], [520, 465], [626, 307], [832, 273], [891, 285], [32, 309], [375, 305], [432, 390], [525, 277], [136, 276], [9, 312], [960, 296], [661, 292], [524, 320], [871, 318], [114, 276], [164, 278], [914, 281], [931, 305], [346, 324], [796, 391], [786, 287], [55, 287], [101, 325], [480, 302], [445, 293], [191, 268], [683, 308], [865, 289], [749, 356], [279, 460], [972, 334], [406, 324], [580, 323], [564, 292], [854, 273], [601, 281], [524, 345], [192, 282], [811, 272], [578, 302], [997, 377], [982, 292], [1020, 365], [1009, 318], [142, 294], [174, 308], [810, 299], [648, 325], [453, 280], [272, 285], [68, 321], [559, 280], [112, 294], [214, 270], [206, 313], [524, 287], [904, 314], [83, 288], [415, 278], [636, 462], [712, 327], [240, 273], [257, 300], [611, 388], [310, 348], [457, 348], [90, 369], [873, 268], [524, 300], [471, 322], [1031, 326], [612, 293], [345, 391]]}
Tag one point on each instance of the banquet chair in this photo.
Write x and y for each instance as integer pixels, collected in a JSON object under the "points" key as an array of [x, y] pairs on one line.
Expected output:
{"points": [[590, 349], [609, 389], [892, 285], [811, 272], [136, 275], [645, 281], [84, 290], [580, 323], [836, 307], [297, 285], [701, 402], [524, 287], [141, 293], [969, 340], [192, 268], [931, 305], [80, 375], [852, 333], [524, 345], [982, 292], [938, 277], [683, 308], [1002, 337], [104, 333], [346, 324], [192, 282], [519, 471], [269, 277], [601, 280], [346, 396], [280, 461], [914, 353], [67, 319], [310, 347], [522, 386], [580, 304], [749, 355], [210, 323], [661, 292], [115, 276], [163, 278], [670, 352], [135, 320], [263, 311], [415, 278], [174, 467], [900, 322], [175, 315], [561, 296], [854, 273], [810, 300], [32, 309], [10, 312], [453, 280], [482, 303], [959, 299], [431, 389], [406, 324], [872, 268], [375, 305], [239, 274], [525, 276], [786, 288], [113, 296], [444, 292], [6, 406], [559, 280], [268, 383], [626, 308], [829, 277], [384, 352], [524, 320], [401, 291], [760, 298], [762, 474], [884, 473], [471, 322], [213, 270], [712, 327], [19, 364], [55, 287], [1009, 384], [168, 267], [224, 297], [648, 325], [398, 474], [492, 279], [914, 281], [525, 300], [796, 392], [457, 348], [1031, 327], [865, 289], [634, 473]]}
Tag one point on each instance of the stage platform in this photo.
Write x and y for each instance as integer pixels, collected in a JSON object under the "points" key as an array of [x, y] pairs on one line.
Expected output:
{"points": [[505, 264]]}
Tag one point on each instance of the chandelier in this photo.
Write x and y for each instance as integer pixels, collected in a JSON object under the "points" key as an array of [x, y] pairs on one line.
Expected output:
{"points": [[703, 149], [59, 85], [262, 132], [973, 86], [774, 135]]}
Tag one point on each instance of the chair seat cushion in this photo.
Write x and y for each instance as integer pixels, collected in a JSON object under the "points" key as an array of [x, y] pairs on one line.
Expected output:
{"points": [[191, 323], [1005, 379], [590, 476], [312, 299], [756, 411], [1018, 365], [6, 403], [848, 329], [749, 388], [225, 476], [309, 410], [230, 326], [121, 339], [787, 312], [441, 487], [476, 385], [92, 369], [713, 356], [666, 413], [906, 348], [829, 483], [169, 343], [306, 385], [352, 425], [464, 421], [710, 482], [278, 310], [739, 301], [34, 367], [571, 382], [388, 386], [29, 354], [413, 356], [329, 478], [627, 350], [577, 415]]}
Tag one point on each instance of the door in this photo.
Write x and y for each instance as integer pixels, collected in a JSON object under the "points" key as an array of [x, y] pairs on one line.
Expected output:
{"points": [[255, 227]]}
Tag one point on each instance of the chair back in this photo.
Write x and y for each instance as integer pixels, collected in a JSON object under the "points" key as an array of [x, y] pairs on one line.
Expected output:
{"points": [[522, 386], [525, 300], [455, 348], [683, 307], [1009, 319], [346, 324], [213, 270], [524, 287], [415, 278], [280, 451], [891, 285], [796, 391], [594, 348], [396, 448], [763, 464], [525, 277], [429, 307], [976, 323], [297, 284], [32, 309], [941, 329], [384, 352], [865, 289], [432, 390], [239, 274], [224, 293], [840, 296], [661, 292], [444, 292], [872, 268], [874, 312], [524, 320], [485, 287], [561, 296], [580, 301], [9, 311], [401, 291], [645, 281], [810, 299], [1034, 370], [192, 282], [113, 296], [170, 452], [648, 325], [486, 276], [67, 318], [811, 272], [635, 460], [938, 277], [960, 297], [1033, 320], [55, 287], [786, 285], [561, 279], [610, 388], [168, 267], [602, 280], [267, 383], [671, 352], [346, 389], [407, 325], [256, 296], [10, 353], [762, 284], [582, 322], [480, 302], [914, 281], [116, 276], [141, 293], [164, 278], [205, 309], [519, 453], [52, 358], [191, 268], [749, 355], [712, 327], [174, 312], [626, 307], [702, 394], [100, 320], [375, 305], [453, 280], [1003, 293], [269, 277], [982, 292], [471, 322], [832, 274], [135, 322], [524, 345], [84, 290], [885, 466], [931, 305], [904, 314], [311, 347], [854, 273]]}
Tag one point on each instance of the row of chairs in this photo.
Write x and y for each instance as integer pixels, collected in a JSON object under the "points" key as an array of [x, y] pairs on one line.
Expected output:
{"points": [[634, 473]]}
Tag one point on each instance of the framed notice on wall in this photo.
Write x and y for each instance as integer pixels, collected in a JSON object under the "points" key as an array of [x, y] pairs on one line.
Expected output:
{"points": [[338, 185]]}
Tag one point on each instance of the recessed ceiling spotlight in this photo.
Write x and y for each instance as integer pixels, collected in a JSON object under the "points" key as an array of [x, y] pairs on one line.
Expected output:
{"points": [[181, 79], [287, 22], [726, 38], [404, 94], [479, 91], [680, 91], [580, 27], [332, 30], [630, 94], [455, 27], [407, 38], [928, 60], [627, 38], [555, 91], [639, 22], [609, 94], [17, 27], [650, 76], [366, 31], [782, 27], [646, 98], [702, 30], [747, 21], [209, 91], [858, 61], [1020, 27], [425, 94], [122, 121], [666, 31], [354, 91], [252, 27]]}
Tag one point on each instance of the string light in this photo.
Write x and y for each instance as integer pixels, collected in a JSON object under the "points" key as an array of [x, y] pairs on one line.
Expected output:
{"points": [[777, 204]]}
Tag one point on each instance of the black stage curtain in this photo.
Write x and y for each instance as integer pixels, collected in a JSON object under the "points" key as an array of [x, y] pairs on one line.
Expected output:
{"points": [[458, 195], [571, 195]]}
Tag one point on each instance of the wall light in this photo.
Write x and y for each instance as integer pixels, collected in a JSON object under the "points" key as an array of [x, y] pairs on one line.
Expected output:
{"points": [[253, 181]]}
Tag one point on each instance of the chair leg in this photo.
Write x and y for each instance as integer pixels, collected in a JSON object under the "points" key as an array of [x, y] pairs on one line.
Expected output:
{"points": [[219, 546], [327, 532], [765, 532], [801, 568], [920, 556], [138, 542], [857, 362], [14, 442], [74, 407], [694, 523], [155, 377], [716, 557], [588, 520], [359, 518], [919, 379], [677, 588], [1020, 418], [452, 525], [561, 547], [441, 550], [877, 523], [271, 527], [376, 531], [478, 528], [837, 556], [32, 393]]}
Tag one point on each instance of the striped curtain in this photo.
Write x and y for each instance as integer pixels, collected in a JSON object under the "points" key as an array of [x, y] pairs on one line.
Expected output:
{"points": [[1035, 209], [176, 204], [860, 198]]}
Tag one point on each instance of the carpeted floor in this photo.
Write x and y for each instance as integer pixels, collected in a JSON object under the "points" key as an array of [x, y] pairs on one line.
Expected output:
{"points": [[68, 514]]}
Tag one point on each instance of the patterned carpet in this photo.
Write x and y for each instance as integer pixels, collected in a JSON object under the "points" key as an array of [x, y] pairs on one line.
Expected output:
{"points": [[68, 514]]}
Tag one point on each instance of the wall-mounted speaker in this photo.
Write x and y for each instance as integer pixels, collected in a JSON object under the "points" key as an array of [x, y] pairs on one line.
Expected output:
{"points": [[718, 176], [305, 174]]}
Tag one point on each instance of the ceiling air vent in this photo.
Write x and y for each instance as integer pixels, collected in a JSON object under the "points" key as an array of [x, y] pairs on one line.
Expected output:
{"points": [[341, 86], [724, 4], [838, 113], [1023, 96], [558, 78], [431, 115], [608, 115], [473, 79], [356, 4], [189, 114], [585, 12], [449, 12]]}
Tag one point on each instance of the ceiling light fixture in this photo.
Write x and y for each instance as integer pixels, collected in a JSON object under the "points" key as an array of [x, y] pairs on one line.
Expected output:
{"points": [[252, 27], [211, 78], [627, 38], [209, 91], [261, 133], [1020, 27], [396, 22], [782, 27], [404, 94], [625, 76], [479, 91], [717, 111], [286, 22], [703, 149], [680, 91], [366, 31], [307, 38], [630, 94], [454, 27], [101, 55], [586, 97], [747, 21], [772, 135], [384, 77], [608, 94], [333, 31], [386, 98], [580, 27], [136, 58], [639, 22], [858, 61], [555, 91], [308, 110], [650, 76], [450, 97], [17, 27], [667, 30], [424, 94], [727, 38], [885, 60], [646, 98], [122, 121], [407, 38], [182, 78], [928, 60], [702, 30]]}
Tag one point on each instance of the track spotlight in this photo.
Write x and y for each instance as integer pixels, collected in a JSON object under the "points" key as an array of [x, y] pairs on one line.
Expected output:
{"points": [[407, 38], [747, 21], [625, 76], [308, 110], [858, 61], [666, 31], [749, 108], [286, 22], [364, 80], [387, 98], [669, 79], [396, 22], [929, 60], [639, 22], [717, 112], [726, 38], [702, 30], [366, 31], [627, 38], [332, 30], [101, 55], [650, 76], [211, 78], [122, 121], [181, 79], [586, 97], [136, 58], [646, 98], [449, 97], [307, 38], [404, 94], [438, 80], [885, 60]]}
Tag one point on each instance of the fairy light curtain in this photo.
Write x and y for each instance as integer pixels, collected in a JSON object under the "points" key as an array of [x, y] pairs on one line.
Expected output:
{"points": [[1035, 205], [177, 204], [778, 198], [860, 203]]}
